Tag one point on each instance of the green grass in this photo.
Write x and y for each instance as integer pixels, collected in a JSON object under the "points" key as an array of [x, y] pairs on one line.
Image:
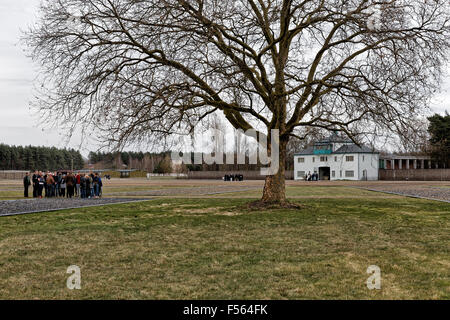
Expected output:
{"points": [[314, 192], [212, 249]]}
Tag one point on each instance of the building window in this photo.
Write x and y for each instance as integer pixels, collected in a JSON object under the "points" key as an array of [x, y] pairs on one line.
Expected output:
{"points": [[314, 159], [301, 160], [341, 173], [323, 159], [301, 174], [349, 158], [364, 158], [335, 159], [349, 174], [333, 174]]}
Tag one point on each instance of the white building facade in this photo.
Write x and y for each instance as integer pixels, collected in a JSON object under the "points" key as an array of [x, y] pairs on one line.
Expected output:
{"points": [[337, 159]]}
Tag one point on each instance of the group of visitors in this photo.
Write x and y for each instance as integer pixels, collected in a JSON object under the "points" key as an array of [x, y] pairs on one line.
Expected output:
{"points": [[61, 185], [312, 177], [233, 177]]}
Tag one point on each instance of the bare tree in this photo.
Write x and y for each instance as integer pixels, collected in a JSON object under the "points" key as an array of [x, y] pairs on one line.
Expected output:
{"points": [[140, 68]]}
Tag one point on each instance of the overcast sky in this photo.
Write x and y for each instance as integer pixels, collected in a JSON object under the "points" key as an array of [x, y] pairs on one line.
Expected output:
{"points": [[18, 125]]}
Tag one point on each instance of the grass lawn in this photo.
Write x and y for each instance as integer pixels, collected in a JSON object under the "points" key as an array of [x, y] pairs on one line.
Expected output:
{"points": [[211, 249]]}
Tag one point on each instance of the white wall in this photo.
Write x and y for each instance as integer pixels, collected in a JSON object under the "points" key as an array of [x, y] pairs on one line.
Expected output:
{"points": [[369, 162], [341, 166], [307, 166]]}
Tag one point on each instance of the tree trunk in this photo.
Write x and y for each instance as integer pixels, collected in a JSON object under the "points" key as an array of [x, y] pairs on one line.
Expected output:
{"points": [[275, 187]]}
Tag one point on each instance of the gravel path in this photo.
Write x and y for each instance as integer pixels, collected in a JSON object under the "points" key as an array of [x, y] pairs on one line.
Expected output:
{"points": [[18, 207], [424, 192]]}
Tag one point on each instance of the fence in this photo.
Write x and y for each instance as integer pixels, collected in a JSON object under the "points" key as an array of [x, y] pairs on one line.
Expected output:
{"points": [[12, 175], [217, 175], [415, 175]]}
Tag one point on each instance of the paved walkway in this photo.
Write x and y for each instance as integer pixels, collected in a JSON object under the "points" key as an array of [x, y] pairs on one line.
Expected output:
{"points": [[415, 191], [19, 207]]}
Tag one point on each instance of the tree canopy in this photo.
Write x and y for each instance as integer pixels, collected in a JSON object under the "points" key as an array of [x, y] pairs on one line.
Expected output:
{"points": [[39, 158], [439, 130], [151, 68]]}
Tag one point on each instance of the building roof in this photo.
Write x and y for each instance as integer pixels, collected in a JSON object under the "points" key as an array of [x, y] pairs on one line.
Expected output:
{"points": [[353, 148], [403, 157], [308, 151], [348, 148]]}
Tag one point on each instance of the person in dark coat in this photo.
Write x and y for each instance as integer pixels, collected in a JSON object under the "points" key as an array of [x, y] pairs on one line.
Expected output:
{"points": [[95, 183], [26, 184], [58, 179], [83, 187], [45, 184], [41, 185], [70, 181], [100, 186], [88, 186], [62, 187], [35, 181]]}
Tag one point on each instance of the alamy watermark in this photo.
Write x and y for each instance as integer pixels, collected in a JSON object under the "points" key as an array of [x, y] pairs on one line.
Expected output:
{"points": [[374, 281], [74, 281], [216, 146]]}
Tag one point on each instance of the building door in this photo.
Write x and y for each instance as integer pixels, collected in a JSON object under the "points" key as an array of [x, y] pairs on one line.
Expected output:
{"points": [[364, 175], [324, 173]]}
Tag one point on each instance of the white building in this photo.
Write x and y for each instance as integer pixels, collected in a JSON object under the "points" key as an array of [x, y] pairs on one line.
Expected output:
{"points": [[337, 159]]}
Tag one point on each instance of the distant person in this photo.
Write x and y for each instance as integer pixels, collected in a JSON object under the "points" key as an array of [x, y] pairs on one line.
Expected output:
{"points": [[58, 179], [70, 182], [55, 185], [88, 186], [62, 187], [83, 187], [95, 184], [41, 183], [100, 186], [45, 183], [49, 185], [91, 184], [78, 185], [35, 181], [26, 184]]}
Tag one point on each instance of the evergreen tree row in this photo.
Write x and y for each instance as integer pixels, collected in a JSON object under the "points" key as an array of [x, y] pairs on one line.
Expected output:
{"points": [[439, 130], [39, 158]]}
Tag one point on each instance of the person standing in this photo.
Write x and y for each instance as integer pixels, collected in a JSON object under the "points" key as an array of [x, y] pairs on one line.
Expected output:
{"points": [[50, 181], [100, 186], [41, 185], [58, 184], [35, 180], [26, 185], [83, 187], [70, 181], [55, 185], [96, 185], [78, 185], [62, 192], [45, 184], [91, 183], [88, 187]]}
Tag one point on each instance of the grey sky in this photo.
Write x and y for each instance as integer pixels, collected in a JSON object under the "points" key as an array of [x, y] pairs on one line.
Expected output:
{"points": [[18, 125]]}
